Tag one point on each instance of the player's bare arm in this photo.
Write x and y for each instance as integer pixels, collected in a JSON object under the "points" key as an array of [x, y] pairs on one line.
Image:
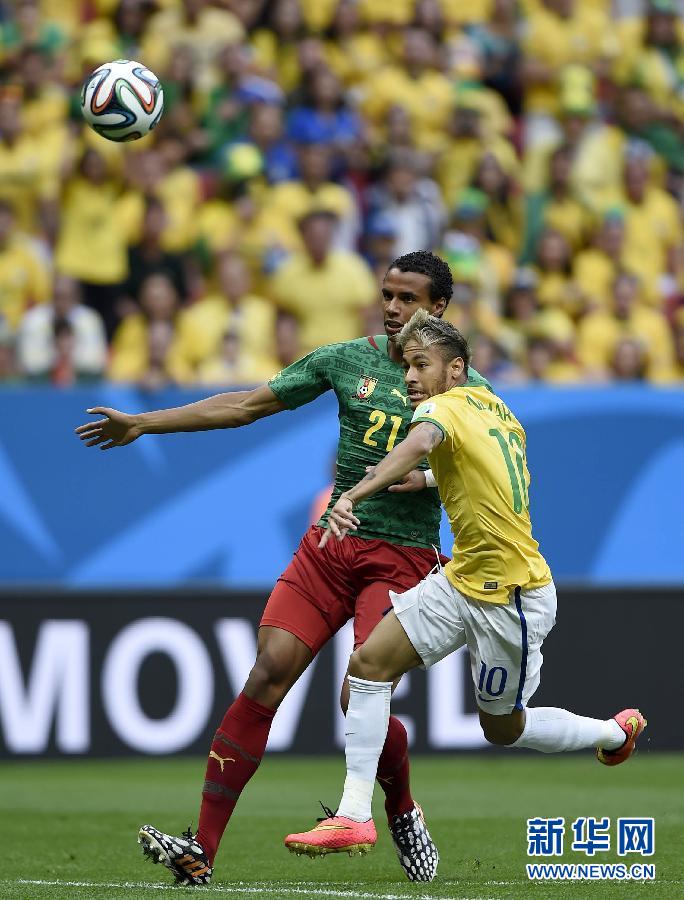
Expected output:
{"points": [[397, 464], [414, 481], [228, 410]]}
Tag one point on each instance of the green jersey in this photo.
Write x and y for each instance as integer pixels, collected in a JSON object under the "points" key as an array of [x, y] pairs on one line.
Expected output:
{"points": [[375, 414]]}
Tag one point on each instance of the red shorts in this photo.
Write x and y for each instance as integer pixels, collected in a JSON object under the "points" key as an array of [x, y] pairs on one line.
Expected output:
{"points": [[322, 589]]}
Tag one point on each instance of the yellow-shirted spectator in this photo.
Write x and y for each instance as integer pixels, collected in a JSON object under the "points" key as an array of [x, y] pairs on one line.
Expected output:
{"points": [[524, 319], [556, 208], [91, 245], [249, 226], [161, 173], [318, 14], [387, 12], [121, 26], [352, 52], [45, 104], [653, 228], [596, 150], [467, 311], [144, 347], [600, 332], [234, 363], [180, 191], [314, 191], [44, 117], [654, 55], [64, 13], [24, 277], [595, 268], [553, 267], [504, 213], [241, 218], [561, 32], [456, 12], [276, 47], [596, 167], [328, 291], [496, 120], [91, 242], [233, 309], [425, 93], [548, 362], [23, 181], [194, 23], [468, 250], [457, 164]]}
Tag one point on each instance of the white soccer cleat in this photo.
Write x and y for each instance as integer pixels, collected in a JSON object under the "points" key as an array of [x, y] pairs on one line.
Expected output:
{"points": [[416, 850], [183, 856]]}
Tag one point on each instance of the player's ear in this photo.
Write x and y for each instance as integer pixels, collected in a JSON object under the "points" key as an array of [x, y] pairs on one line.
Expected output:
{"points": [[456, 367], [438, 307]]}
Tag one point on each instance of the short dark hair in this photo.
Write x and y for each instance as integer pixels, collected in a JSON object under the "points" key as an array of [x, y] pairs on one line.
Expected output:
{"points": [[312, 215], [425, 263], [431, 331]]}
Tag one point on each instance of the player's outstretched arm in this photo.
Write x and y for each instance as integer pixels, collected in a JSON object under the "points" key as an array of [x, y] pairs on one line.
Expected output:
{"points": [[422, 439], [230, 410]]}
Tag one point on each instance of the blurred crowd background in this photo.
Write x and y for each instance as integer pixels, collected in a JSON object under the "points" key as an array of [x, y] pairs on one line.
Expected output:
{"points": [[538, 146]]}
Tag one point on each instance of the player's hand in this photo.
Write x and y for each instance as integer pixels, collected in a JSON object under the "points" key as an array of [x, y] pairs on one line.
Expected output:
{"points": [[340, 521], [116, 430], [413, 481]]}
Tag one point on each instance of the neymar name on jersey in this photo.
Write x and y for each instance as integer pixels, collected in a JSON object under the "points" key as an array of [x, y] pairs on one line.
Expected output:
{"points": [[483, 482]]}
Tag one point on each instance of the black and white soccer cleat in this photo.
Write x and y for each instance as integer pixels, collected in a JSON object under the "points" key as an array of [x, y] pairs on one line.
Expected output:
{"points": [[183, 856], [415, 848]]}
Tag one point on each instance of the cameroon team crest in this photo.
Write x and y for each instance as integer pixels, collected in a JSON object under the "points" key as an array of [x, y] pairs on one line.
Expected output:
{"points": [[365, 387]]}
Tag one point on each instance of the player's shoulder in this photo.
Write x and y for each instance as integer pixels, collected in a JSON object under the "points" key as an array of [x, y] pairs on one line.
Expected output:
{"points": [[479, 397], [363, 346]]}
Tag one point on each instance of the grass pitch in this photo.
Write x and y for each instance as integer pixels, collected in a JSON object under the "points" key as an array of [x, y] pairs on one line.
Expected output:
{"points": [[69, 828]]}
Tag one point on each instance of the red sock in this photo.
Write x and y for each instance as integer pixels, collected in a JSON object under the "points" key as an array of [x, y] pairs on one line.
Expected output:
{"points": [[393, 770], [234, 757]]}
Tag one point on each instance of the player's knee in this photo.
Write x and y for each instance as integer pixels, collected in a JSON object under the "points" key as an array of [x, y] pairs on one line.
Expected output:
{"points": [[501, 730], [270, 679], [363, 665]]}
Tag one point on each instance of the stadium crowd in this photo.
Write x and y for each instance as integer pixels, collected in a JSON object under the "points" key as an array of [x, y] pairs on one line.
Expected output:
{"points": [[537, 145]]}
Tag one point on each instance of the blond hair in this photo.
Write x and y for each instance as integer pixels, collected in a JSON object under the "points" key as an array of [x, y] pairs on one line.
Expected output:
{"points": [[429, 331]]}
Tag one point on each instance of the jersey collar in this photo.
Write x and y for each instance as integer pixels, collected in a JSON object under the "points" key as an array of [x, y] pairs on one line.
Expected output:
{"points": [[379, 342]]}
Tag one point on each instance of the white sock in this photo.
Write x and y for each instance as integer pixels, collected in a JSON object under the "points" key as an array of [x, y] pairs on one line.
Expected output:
{"points": [[365, 732], [551, 730]]}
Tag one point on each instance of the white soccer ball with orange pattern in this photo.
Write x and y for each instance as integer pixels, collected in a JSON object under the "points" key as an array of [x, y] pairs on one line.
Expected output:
{"points": [[122, 100]]}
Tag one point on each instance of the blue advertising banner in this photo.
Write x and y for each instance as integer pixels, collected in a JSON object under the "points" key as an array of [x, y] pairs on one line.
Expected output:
{"points": [[228, 508]]}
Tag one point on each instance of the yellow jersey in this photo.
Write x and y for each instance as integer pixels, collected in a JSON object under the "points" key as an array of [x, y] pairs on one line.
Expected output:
{"points": [[483, 482]]}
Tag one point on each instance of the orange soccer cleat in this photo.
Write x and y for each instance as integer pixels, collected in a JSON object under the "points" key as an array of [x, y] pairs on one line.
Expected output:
{"points": [[335, 834], [632, 723]]}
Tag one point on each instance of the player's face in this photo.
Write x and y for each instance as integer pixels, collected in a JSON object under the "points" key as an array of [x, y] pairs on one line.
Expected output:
{"points": [[427, 372], [402, 294]]}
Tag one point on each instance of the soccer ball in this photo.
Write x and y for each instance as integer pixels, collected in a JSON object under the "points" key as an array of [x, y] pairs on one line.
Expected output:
{"points": [[122, 100]]}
